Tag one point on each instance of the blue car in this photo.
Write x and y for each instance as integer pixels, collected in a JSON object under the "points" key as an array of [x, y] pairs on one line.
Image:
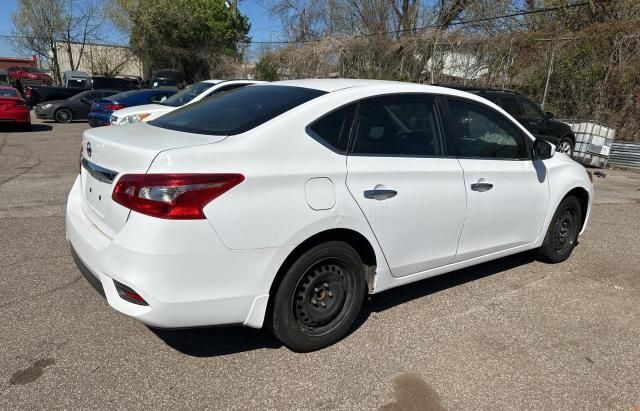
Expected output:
{"points": [[101, 109]]}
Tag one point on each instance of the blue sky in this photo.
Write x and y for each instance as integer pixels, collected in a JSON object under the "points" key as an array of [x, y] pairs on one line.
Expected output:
{"points": [[262, 25]]}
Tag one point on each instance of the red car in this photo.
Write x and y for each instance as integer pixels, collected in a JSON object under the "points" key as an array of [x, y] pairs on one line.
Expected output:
{"points": [[13, 108], [28, 73]]}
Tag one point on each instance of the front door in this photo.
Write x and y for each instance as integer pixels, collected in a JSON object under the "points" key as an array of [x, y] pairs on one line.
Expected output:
{"points": [[406, 184], [507, 192]]}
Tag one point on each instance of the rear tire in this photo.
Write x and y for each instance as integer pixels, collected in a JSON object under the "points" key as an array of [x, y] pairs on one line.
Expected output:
{"points": [[562, 234], [319, 297], [63, 115]]}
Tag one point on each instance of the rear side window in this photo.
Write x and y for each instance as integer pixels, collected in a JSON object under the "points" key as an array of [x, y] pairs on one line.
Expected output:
{"points": [[399, 127], [484, 133], [236, 111], [333, 129]]}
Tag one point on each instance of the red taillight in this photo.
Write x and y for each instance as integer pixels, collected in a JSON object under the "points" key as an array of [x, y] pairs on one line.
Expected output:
{"points": [[28, 93], [114, 107], [172, 196], [21, 103]]}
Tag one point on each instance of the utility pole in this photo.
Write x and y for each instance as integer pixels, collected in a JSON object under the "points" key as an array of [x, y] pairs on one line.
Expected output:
{"points": [[546, 85]]}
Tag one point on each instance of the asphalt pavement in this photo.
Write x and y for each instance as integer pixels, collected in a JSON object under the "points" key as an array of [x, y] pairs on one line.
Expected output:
{"points": [[510, 334]]}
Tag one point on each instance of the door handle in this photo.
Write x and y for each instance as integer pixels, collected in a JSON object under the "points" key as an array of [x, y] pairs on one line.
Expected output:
{"points": [[380, 194], [481, 186]]}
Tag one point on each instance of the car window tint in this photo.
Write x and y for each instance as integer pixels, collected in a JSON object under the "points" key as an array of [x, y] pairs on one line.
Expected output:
{"points": [[237, 111], [510, 105], [333, 129], [184, 96], [484, 133], [159, 98], [229, 87], [531, 111], [8, 93], [399, 127]]}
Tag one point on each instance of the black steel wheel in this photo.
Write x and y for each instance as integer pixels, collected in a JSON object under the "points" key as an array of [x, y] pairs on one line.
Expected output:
{"points": [[319, 297], [562, 234], [63, 115]]}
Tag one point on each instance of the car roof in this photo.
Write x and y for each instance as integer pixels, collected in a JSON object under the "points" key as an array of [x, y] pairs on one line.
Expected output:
{"points": [[8, 88], [331, 85]]}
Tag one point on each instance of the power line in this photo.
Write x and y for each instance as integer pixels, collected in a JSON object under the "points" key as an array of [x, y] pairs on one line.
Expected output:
{"points": [[435, 26]]}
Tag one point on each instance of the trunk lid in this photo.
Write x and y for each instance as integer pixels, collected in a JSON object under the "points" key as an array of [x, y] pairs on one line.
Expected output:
{"points": [[110, 152], [7, 103]]}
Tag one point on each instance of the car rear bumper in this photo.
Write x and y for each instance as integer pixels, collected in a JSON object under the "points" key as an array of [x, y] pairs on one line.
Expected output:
{"points": [[183, 271], [99, 119], [15, 117]]}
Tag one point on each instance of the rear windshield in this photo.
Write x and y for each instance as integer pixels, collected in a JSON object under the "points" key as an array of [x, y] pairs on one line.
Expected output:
{"points": [[236, 111], [123, 95], [8, 93], [183, 97]]}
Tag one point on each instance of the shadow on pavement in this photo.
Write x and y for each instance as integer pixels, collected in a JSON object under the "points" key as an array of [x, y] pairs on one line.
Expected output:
{"points": [[4, 128], [217, 341]]}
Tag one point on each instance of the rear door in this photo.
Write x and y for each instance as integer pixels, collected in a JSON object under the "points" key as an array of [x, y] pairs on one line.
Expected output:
{"points": [[507, 192], [409, 187]]}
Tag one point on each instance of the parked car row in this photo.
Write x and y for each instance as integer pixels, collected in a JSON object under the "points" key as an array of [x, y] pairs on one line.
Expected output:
{"points": [[281, 205]]}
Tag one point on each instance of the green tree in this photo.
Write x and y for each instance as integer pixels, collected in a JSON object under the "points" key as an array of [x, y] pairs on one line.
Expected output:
{"points": [[195, 36]]}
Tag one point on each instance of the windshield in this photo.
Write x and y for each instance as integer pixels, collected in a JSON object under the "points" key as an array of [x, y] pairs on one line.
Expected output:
{"points": [[236, 111], [31, 69], [188, 94]]}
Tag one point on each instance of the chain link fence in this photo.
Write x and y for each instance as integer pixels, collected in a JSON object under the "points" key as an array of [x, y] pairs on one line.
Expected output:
{"points": [[593, 75]]}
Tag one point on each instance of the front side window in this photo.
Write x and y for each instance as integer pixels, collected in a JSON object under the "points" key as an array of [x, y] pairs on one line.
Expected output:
{"points": [[531, 111], [333, 129], [236, 111], [396, 126], [484, 133]]}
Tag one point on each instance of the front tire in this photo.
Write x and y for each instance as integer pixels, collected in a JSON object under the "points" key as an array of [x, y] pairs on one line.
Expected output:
{"points": [[565, 145], [562, 234], [319, 297], [63, 115]]}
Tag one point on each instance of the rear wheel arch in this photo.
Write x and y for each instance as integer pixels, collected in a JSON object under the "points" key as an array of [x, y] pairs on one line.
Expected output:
{"points": [[353, 238]]}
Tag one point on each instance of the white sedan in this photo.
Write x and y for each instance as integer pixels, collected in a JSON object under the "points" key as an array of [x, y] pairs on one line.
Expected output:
{"points": [[189, 95], [284, 204]]}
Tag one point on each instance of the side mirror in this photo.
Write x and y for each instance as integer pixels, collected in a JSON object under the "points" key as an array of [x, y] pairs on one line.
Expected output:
{"points": [[549, 115], [542, 150]]}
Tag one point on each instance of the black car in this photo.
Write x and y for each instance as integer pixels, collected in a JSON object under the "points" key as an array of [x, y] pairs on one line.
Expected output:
{"points": [[34, 95], [531, 116], [76, 107]]}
